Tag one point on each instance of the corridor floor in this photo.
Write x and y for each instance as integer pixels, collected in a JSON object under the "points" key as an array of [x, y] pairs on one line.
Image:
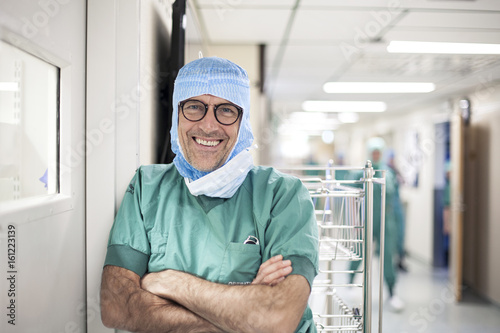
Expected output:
{"points": [[430, 306]]}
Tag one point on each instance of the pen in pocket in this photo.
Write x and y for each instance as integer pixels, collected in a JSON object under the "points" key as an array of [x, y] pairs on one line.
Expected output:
{"points": [[251, 240]]}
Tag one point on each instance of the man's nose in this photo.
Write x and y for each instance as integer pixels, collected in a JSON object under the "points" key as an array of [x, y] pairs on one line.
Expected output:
{"points": [[209, 123]]}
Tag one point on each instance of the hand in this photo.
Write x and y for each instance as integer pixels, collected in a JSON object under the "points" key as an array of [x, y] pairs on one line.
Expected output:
{"points": [[155, 283], [273, 271]]}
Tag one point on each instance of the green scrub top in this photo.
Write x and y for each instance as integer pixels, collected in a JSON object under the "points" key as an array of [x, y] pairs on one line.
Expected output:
{"points": [[161, 225]]}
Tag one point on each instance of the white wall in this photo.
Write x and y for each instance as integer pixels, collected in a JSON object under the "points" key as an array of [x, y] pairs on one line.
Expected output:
{"points": [[122, 97], [419, 200], [50, 230], [101, 118]]}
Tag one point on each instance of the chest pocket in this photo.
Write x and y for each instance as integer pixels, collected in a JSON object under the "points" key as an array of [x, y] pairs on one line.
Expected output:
{"points": [[240, 263]]}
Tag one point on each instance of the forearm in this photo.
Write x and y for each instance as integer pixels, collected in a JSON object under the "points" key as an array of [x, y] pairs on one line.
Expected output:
{"points": [[125, 305], [251, 308]]}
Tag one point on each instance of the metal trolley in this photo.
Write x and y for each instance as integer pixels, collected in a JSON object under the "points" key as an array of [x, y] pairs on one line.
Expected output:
{"points": [[341, 297]]}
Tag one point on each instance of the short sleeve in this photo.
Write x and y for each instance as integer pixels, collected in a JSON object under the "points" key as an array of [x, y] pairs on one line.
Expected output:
{"points": [[128, 245], [292, 230]]}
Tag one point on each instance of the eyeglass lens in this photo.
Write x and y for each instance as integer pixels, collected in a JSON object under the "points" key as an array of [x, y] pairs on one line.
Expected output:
{"points": [[225, 114]]}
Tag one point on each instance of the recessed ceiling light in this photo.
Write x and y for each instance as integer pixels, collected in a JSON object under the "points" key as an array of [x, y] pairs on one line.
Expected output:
{"points": [[378, 87], [327, 137], [442, 47], [344, 106]]}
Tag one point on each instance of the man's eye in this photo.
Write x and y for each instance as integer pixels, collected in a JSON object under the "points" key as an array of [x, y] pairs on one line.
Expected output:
{"points": [[228, 111], [193, 107]]}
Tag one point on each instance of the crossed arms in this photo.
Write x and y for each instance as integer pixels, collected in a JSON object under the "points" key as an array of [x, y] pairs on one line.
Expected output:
{"points": [[174, 301]]}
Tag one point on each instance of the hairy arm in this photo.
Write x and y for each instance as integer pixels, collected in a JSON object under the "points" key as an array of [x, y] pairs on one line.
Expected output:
{"points": [[250, 308], [125, 305]]}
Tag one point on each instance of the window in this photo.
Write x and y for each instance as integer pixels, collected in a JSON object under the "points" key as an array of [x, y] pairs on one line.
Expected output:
{"points": [[29, 94]]}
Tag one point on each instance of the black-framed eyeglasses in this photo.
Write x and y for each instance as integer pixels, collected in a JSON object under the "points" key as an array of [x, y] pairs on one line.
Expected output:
{"points": [[195, 110]]}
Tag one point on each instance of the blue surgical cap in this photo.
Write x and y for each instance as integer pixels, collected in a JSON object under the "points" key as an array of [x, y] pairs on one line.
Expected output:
{"points": [[218, 77]]}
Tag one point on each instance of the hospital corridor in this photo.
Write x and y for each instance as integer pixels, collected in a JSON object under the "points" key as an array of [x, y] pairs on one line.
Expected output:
{"points": [[430, 306], [201, 165]]}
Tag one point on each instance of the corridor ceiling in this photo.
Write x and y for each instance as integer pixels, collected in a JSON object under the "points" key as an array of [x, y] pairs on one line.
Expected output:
{"points": [[310, 42]]}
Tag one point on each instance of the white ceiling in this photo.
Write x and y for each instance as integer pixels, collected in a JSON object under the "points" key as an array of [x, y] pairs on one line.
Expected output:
{"points": [[309, 42]]}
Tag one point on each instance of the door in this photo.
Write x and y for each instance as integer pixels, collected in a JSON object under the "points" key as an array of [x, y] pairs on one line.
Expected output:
{"points": [[457, 194], [42, 165]]}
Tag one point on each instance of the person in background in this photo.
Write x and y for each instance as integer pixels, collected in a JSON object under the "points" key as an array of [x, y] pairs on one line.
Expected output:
{"points": [[211, 243], [398, 212], [376, 147]]}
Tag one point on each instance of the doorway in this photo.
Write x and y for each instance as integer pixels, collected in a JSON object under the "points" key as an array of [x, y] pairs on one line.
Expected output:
{"points": [[441, 235]]}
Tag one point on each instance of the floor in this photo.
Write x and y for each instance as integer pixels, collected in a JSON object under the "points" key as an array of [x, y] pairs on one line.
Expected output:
{"points": [[430, 306]]}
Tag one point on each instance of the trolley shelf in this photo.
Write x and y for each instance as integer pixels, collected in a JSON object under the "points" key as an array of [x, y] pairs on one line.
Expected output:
{"points": [[341, 293]]}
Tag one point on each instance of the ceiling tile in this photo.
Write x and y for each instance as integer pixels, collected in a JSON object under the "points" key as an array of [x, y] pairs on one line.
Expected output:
{"points": [[245, 26], [405, 67], [349, 4], [235, 4], [433, 35], [329, 25], [486, 5], [311, 56], [297, 85], [470, 20], [453, 5]]}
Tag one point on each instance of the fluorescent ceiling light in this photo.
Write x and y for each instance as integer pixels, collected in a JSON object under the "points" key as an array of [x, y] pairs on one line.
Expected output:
{"points": [[378, 87], [9, 86], [344, 106], [446, 48]]}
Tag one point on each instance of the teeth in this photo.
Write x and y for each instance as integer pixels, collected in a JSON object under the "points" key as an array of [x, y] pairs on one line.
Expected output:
{"points": [[207, 143]]}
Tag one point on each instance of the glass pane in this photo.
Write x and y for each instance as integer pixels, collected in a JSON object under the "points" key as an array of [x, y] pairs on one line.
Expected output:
{"points": [[29, 90]]}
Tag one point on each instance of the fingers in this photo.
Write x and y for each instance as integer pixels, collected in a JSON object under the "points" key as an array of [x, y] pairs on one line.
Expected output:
{"points": [[275, 282], [271, 261], [151, 282], [147, 282], [278, 276], [273, 271]]}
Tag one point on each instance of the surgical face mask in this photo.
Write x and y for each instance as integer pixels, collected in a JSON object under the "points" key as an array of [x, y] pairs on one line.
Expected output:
{"points": [[225, 181]]}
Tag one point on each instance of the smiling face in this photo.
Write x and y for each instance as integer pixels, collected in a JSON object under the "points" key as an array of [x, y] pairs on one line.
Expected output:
{"points": [[206, 144]]}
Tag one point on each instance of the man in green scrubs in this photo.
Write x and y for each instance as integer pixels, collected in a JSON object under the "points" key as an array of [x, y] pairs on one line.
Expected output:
{"points": [[211, 243], [376, 146]]}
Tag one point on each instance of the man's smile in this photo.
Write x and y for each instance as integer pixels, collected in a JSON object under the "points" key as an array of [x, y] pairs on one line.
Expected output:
{"points": [[207, 143]]}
